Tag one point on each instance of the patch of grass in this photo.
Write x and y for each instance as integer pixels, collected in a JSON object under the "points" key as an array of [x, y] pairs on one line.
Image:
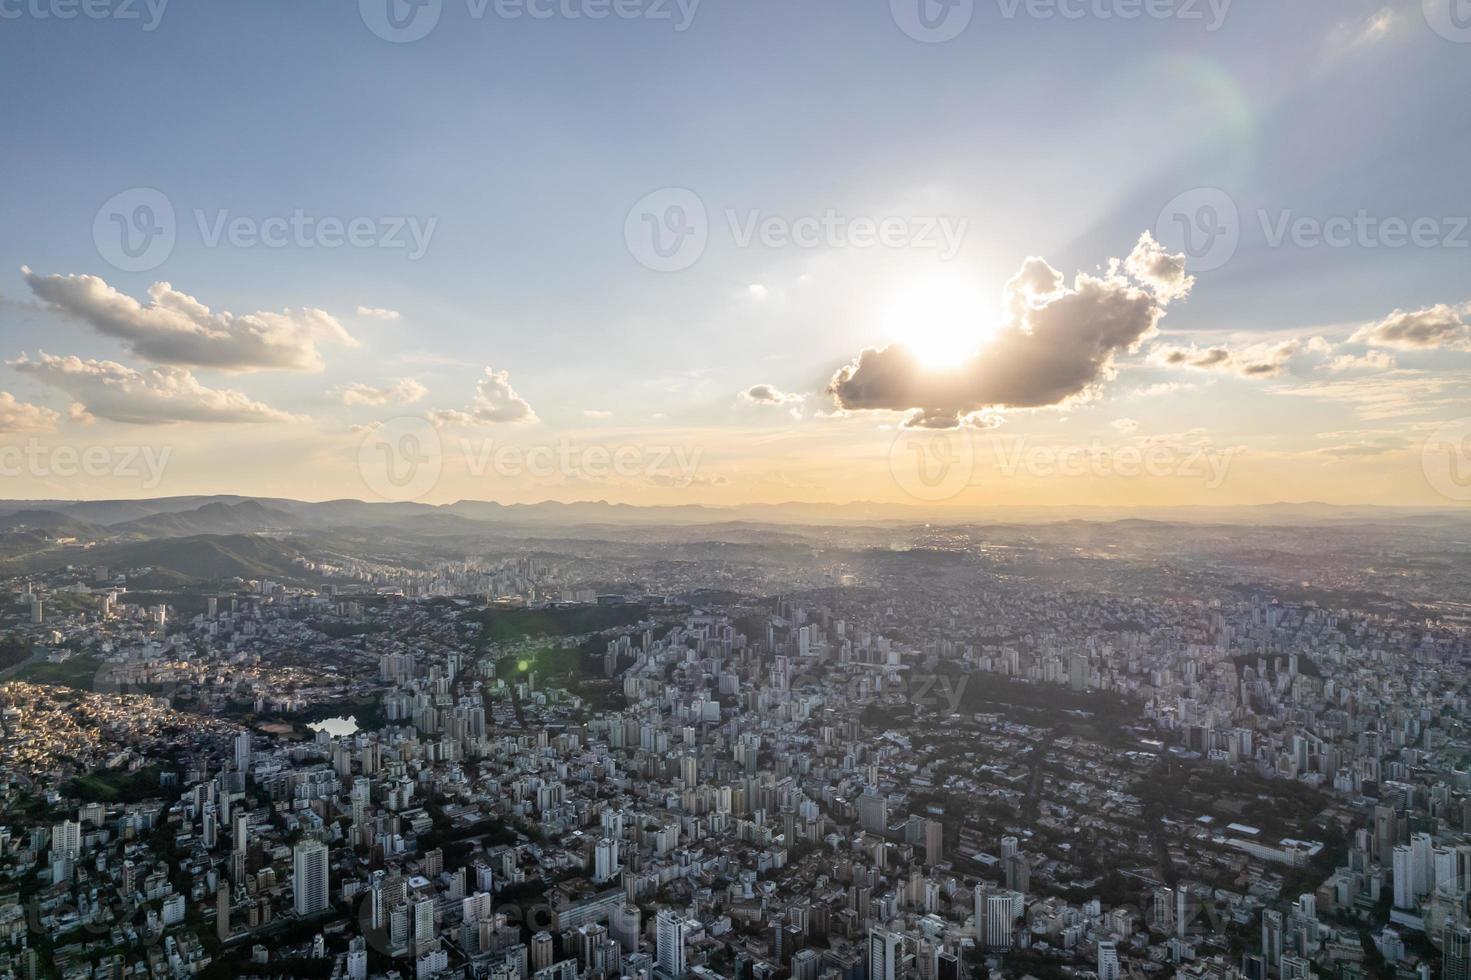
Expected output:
{"points": [[115, 786], [78, 672], [506, 625]]}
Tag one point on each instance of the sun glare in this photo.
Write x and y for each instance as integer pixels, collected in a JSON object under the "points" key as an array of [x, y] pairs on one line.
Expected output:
{"points": [[941, 321]]}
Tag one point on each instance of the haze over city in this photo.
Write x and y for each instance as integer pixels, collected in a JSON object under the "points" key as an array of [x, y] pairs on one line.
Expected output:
{"points": [[735, 490]]}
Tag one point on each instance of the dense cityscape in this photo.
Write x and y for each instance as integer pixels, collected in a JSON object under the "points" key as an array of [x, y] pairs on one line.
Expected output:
{"points": [[951, 756]]}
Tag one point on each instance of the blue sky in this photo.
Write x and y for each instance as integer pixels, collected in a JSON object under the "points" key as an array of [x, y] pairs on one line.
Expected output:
{"points": [[527, 141]]}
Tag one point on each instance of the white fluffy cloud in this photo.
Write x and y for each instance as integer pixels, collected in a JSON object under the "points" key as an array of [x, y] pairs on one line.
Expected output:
{"points": [[1439, 326], [1056, 343], [495, 401], [377, 313], [175, 328], [18, 416], [1162, 272], [108, 390], [1374, 360], [404, 391]]}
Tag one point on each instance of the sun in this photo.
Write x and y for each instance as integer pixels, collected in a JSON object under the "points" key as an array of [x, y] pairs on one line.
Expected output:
{"points": [[942, 321]]}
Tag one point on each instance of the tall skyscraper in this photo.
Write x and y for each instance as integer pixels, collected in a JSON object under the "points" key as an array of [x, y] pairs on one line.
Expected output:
{"points": [[222, 912], [1456, 953], [309, 877], [934, 842], [1272, 940], [1108, 960], [242, 751], [884, 948], [669, 937]]}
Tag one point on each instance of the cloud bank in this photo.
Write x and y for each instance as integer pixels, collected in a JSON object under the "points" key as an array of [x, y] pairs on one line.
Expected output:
{"points": [[175, 328], [108, 390]]}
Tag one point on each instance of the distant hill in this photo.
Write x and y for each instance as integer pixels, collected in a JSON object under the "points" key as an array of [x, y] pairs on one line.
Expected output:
{"points": [[50, 521], [246, 517], [231, 514], [204, 558]]}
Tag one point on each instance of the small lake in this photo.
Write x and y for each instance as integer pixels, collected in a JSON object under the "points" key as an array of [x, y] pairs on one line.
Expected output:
{"points": [[336, 727]]}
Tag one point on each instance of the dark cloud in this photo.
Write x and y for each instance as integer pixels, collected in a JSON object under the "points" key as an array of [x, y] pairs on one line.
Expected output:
{"points": [[1056, 343]]}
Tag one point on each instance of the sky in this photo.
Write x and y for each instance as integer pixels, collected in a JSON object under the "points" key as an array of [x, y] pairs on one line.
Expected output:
{"points": [[950, 252]]}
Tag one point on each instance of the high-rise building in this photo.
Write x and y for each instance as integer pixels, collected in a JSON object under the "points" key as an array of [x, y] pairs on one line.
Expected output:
{"points": [[357, 959], [1272, 940], [1456, 953], [884, 950], [1001, 913], [309, 877], [934, 842], [222, 912], [242, 751], [1108, 960], [424, 929], [669, 937], [1404, 877], [605, 860]]}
